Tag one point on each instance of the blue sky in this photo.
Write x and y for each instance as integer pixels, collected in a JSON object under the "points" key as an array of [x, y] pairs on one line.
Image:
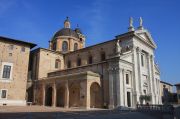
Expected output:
{"points": [[100, 20]]}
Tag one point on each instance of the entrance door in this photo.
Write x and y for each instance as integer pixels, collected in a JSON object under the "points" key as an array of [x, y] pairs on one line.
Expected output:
{"points": [[49, 96], [129, 99], [60, 97]]}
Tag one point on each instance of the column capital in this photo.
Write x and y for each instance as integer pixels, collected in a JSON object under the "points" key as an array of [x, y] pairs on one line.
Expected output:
{"points": [[123, 70], [113, 69], [152, 56], [138, 49]]}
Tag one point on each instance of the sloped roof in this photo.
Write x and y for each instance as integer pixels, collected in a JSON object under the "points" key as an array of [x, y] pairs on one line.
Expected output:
{"points": [[17, 41]]}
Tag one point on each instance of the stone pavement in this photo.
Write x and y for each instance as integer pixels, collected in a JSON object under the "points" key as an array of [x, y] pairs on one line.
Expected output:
{"points": [[39, 112]]}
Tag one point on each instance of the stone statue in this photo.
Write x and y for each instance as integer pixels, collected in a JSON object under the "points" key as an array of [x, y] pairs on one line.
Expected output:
{"points": [[131, 22], [131, 28], [140, 21], [118, 47]]}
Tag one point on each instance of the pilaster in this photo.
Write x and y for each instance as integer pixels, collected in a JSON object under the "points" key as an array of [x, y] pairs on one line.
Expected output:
{"points": [[66, 95], [124, 86], [135, 76], [111, 93]]}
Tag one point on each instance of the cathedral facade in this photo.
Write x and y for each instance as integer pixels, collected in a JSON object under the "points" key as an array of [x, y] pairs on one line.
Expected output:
{"points": [[114, 73]]}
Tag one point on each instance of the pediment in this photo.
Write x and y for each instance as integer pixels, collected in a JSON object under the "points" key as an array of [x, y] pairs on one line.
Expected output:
{"points": [[146, 36]]}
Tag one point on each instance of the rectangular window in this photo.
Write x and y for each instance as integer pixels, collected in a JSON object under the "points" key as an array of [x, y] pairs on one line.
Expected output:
{"points": [[127, 78], [57, 63], [142, 60], [144, 92], [23, 49], [6, 71], [90, 60], [103, 56], [3, 94], [11, 47], [10, 54], [79, 62], [69, 64]]}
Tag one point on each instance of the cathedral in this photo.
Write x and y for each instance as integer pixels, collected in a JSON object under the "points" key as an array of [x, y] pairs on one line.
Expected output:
{"points": [[106, 75], [110, 74]]}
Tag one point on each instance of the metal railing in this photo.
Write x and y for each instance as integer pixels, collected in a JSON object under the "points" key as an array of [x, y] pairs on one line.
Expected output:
{"points": [[169, 109]]}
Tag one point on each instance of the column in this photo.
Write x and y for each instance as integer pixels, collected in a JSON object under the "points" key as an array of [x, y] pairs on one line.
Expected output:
{"points": [[54, 94], [135, 77], [119, 87], [149, 74], [153, 81], [124, 87], [133, 95], [139, 69], [44, 93], [87, 98], [111, 94], [66, 95]]}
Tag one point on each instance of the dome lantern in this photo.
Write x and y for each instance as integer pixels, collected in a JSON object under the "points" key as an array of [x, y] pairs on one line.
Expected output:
{"points": [[67, 23]]}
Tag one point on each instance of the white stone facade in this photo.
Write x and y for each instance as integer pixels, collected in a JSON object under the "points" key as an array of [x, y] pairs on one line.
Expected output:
{"points": [[144, 75]]}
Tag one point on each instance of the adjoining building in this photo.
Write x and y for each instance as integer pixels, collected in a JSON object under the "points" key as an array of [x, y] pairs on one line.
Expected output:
{"points": [[166, 86], [166, 92], [178, 92], [14, 61], [109, 74]]}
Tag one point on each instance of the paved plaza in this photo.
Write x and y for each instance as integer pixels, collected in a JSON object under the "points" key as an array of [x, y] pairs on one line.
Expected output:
{"points": [[40, 112]]}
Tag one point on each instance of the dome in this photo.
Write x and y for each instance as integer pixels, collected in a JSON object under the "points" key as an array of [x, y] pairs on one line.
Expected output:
{"points": [[66, 32]]}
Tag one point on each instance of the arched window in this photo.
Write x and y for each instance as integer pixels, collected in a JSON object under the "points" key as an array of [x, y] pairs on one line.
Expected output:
{"points": [[65, 46], [75, 46]]}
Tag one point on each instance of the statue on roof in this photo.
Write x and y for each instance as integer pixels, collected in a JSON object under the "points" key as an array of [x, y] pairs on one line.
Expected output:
{"points": [[118, 47], [131, 27], [140, 21], [130, 22]]}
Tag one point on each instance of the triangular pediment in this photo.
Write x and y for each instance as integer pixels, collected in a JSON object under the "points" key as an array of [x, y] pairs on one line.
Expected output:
{"points": [[146, 37]]}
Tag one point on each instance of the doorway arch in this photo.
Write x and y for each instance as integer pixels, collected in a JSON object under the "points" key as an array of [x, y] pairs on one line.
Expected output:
{"points": [[95, 96], [48, 99]]}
